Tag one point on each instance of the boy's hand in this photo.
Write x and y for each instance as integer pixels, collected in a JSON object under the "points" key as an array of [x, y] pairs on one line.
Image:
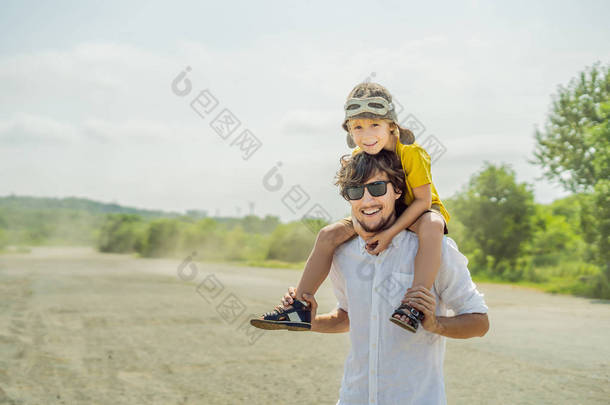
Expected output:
{"points": [[359, 230], [289, 297], [313, 304], [422, 299], [379, 242]]}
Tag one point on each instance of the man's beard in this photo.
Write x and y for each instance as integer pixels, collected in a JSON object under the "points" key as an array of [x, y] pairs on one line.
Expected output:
{"points": [[383, 225]]}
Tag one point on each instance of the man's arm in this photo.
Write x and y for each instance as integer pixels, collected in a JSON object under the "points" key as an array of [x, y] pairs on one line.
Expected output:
{"points": [[336, 321], [462, 326]]}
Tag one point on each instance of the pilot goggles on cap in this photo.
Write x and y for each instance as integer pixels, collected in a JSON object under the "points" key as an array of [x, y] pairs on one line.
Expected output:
{"points": [[375, 105]]}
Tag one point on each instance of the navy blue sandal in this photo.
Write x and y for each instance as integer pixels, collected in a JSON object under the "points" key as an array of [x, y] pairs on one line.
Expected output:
{"points": [[414, 317], [296, 318]]}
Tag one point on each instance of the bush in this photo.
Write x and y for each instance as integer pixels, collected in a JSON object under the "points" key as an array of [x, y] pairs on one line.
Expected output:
{"points": [[204, 237], [291, 242], [161, 239], [120, 233]]}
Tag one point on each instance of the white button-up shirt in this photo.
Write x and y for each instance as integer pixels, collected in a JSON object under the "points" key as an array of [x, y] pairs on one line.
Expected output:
{"points": [[386, 363]]}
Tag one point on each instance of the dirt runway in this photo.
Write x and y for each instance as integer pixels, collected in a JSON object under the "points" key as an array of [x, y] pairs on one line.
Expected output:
{"points": [[79, 327]]}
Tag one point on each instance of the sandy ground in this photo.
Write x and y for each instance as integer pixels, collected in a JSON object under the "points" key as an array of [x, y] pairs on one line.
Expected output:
{"points": [[79, 327]]}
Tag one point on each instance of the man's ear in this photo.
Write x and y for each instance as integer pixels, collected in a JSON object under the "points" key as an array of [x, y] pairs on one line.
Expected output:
{"points": [[397, 192]]}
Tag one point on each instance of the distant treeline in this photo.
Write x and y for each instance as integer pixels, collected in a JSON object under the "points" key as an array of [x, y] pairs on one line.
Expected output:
{"points": [[495, 222], [250, 239], [59, 221]]}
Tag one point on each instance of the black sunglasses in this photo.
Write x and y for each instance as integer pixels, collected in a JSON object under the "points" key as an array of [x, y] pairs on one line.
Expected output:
{"points": [[376, 189]]}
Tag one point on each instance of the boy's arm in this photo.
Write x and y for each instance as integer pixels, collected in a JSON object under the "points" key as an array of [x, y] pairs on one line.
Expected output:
{"points": [[415, 163], [380, 241], [422, 202]]}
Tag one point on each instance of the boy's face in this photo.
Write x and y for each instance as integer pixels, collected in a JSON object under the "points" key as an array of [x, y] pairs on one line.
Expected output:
{"points": [[371, 135]]}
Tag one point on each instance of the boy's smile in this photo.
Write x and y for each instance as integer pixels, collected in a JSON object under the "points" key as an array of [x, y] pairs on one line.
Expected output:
{"points": [[371, 135]]}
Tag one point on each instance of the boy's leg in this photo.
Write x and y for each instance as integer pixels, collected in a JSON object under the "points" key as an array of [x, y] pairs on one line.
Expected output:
{"points": [[318, 264], [429, 228]]}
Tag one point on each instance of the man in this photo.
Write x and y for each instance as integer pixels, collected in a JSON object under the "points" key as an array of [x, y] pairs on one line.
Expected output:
{"points": [[386, 365]]}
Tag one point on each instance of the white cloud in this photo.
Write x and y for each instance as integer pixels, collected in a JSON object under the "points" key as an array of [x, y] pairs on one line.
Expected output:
{"points": [[137, 131], [311, 122], [480, 97], [25, 129], [29, 129]]}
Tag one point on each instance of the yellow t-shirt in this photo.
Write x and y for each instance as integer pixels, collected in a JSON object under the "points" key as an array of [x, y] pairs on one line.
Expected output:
{"points": [[416, 166]]}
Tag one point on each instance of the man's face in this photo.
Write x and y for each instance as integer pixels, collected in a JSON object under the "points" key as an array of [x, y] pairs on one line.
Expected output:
{"points": [[376, 213]]}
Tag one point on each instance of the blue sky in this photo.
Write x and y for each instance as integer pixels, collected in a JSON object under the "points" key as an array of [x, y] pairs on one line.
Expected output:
{"points": [[87, 109]]}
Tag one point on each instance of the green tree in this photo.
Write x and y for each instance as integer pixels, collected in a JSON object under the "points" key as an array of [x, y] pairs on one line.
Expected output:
{"points": [[574, 150], [554, 238], [497, 212], [573, 147], [602, 204], [597, 220]]}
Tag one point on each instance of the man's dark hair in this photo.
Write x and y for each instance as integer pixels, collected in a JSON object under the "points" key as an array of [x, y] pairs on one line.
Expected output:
{"points": [[357, 169]]}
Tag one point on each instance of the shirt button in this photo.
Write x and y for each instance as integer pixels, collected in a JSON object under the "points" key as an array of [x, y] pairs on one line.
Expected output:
{"points": [[374, 316], [374, 345]]}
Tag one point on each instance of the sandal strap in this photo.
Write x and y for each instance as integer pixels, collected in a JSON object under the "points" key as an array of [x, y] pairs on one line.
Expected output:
{"points": [[295, 314], [278, 314], [399, 311], [411, 312]]}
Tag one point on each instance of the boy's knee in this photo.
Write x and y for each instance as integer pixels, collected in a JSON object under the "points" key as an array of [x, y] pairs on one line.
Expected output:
{"points": [[431, 225], [335, 234]]}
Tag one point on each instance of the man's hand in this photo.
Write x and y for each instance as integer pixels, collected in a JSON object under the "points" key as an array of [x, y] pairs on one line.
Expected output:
{"points": [[422, 299]]}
